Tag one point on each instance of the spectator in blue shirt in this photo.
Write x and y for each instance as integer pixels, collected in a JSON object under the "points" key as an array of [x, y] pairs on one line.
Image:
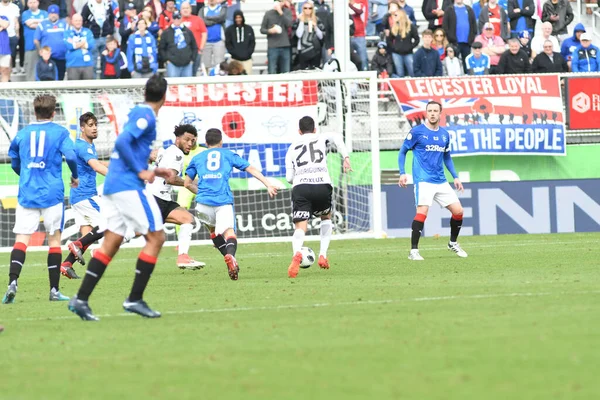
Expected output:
{"points": [[45, 69], [31, 18], [461, 28], [585, 57], [142, 53], [5, 57], [80, 42], [477, 62], [50, 33]]}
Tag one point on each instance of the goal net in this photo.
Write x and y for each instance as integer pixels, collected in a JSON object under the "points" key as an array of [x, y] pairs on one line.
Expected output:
{"points": [[259, 118]]}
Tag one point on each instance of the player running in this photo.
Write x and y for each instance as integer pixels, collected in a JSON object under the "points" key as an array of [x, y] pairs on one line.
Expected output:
{"points": [[36, 156], [430, 144], [172, 158], [214, 200], [306, 169], [126, 204]]}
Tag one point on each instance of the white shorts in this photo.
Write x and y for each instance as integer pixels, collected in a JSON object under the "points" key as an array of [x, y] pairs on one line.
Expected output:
{"points": [[133, 209], [27, 220], [5, 61], [87, 212], [219, 218], [442, 193]]}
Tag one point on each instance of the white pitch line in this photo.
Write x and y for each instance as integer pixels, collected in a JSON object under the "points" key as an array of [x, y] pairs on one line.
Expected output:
{"points": [[323, 305], [427, 247]]}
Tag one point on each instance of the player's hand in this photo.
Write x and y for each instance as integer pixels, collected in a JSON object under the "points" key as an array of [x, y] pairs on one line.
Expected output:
{"points": [[272, 191], [147, 176], [153, 155], [458, 185], [74, 182], [165, 173], [403, 180], [347, 167]]}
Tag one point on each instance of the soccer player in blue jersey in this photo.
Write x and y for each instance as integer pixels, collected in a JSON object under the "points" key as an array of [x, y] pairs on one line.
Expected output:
{"points": [[214, 200], [36, 156], [85, 201], [127, 205], [430, 145]]}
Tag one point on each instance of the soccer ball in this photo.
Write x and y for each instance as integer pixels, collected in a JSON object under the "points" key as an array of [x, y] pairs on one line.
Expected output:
{"points": [[308, 257]]}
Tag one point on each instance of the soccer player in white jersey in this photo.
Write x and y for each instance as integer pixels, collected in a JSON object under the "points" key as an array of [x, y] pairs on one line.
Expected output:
{"points": [[36, 155], [306, 169], [127, 205], [162, 189], [214, 200], [430, 145]]}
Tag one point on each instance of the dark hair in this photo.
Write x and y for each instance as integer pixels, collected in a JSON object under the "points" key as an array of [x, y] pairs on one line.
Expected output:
{"points": [[236, 68], [156, 88], [85, 117], [181, 130], [44, 106], [306, 125], [433, 102], [213, 137]]}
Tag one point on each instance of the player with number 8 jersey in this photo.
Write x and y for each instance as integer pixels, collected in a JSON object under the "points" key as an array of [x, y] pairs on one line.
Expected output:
{"points": [[214, 200], [306, 169]]}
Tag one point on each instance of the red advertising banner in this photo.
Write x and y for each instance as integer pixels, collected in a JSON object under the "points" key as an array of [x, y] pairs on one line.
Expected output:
{"points": [[518, 114], [583, 102]]}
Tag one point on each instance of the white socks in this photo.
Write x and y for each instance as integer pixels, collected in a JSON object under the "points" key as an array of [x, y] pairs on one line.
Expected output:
{"points": [[326, 228], [185, 237], [297, 240]]}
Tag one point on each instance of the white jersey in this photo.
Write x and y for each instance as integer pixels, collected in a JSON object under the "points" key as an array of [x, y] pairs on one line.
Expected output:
{"points": [[306, 158], [171, 158]]}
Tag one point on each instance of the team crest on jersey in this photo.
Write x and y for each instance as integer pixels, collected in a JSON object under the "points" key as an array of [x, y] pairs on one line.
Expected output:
{"points": [[443, 138], [90, 151], [409, 136], [436, 138]]}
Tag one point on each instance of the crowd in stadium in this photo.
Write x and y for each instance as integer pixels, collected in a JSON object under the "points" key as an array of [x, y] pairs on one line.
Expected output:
{"points": [[112, 39]]}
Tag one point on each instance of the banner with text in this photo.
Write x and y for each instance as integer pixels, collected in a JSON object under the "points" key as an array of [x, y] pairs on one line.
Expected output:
{"points": [[583, 102], [491, 114]]}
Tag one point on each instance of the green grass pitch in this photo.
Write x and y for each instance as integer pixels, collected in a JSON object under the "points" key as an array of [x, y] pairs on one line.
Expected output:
{"points": [[518, 319]]}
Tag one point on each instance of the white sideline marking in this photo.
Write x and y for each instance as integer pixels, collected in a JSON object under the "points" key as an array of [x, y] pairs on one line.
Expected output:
{"points": [[342, 304], [401, 251]]}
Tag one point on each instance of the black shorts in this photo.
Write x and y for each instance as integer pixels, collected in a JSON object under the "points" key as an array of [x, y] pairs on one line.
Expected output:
{"points": [[309, 200], [166, 207]]}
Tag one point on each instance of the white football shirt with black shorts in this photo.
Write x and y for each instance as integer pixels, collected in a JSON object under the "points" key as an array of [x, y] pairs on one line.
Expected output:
{"points": [[306, 170], [170, 158]]}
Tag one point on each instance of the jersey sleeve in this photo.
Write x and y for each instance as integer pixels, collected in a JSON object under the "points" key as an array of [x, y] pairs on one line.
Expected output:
{"points": [[289, 165], [84, 152], [338, 140], [139, 123], [237, 161], [172, 160], [411, 139], [13, 151], [191, 169], [66, 146]]}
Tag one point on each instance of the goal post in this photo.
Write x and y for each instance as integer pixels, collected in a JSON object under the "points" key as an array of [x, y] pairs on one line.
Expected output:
{"points": [[258, 115]]}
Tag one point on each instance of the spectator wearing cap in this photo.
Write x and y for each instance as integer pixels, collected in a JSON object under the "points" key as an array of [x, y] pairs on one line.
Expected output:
{"points": [[526, 43], [61, 4], [5, 57], [560, 14], [585, 56], [50, 33], [113, 60], [495, 14], [177, 48], [520, 14], [31, 18], [460, 26], [537, 43], [477, 62], [275, 25], [166, 16], [515, 60], [569, 45], [403, 38], [142, 52], [138, 5], [240, 41], [80, 42], [382, 62], [45, 69], [427, 60], [549, 61], [214, 14], [195, 24], [492, 45], [12, 13], [99, 18]]}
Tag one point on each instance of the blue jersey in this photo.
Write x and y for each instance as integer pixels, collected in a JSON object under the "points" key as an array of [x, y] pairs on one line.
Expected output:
{"points": [[428, 149], [87, 176], [213, 168], [132, 150], [29, 32], [478, 65], [39, 148]]}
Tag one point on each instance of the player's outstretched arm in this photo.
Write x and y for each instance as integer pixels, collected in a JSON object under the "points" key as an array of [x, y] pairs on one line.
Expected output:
{"points": [[290, 168], [258, 175], [450, 166], [175, 180], [98, 166], [341, 148], [190, 185]]}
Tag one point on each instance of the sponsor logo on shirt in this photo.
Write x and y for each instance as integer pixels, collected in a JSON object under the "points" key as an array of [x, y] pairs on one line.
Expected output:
{"points": [[434, 147], [36, 165], [212, 176]]}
